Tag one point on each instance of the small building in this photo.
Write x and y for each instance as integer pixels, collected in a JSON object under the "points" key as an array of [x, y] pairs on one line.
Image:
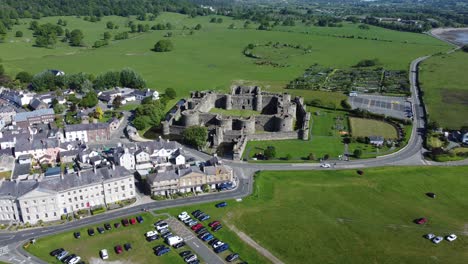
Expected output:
{"points": [[142, 94], [37, 104], [376, 140]]}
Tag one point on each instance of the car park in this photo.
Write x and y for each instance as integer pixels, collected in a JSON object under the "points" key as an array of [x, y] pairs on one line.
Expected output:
{"points": [[133, 221], [161, 226], [74, 260], [216, 228], [232, 257], [185, 253], [437, 239], [429, 236], [191, 257], [128, 246], [55, 252], [221, 248], [91, 231], [179, 245], [221, 204], [107, 226], [140, 219], [125, 222], [214, 223], [77, 234], [152, 238], [103, 253], [151, 233], [451, 237], [100, 230], [118, 249]]}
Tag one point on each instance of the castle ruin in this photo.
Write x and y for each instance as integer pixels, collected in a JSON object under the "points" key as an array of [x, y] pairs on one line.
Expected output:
{"points": [[279, 117]]}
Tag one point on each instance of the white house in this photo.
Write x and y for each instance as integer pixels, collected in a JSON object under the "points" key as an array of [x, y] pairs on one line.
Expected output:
{"points": [[123, 157], [142, 94]]}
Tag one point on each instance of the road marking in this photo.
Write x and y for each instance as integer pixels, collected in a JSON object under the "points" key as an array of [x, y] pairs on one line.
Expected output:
{"points": [[195, 244]]}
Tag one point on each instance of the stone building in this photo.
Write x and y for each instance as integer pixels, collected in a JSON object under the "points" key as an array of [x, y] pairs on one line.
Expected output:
{"points": [[94, 132], [279, 117]]}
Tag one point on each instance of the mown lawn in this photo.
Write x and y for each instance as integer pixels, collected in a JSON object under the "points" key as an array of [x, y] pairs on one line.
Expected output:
{"points": [[234, 112], [341, 217], [212, 57], [444, 81], [88, 247], [361, 127]]}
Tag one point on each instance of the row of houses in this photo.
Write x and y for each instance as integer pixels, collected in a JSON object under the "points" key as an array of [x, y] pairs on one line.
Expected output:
{"points": [[127, 95], [48, 198]]}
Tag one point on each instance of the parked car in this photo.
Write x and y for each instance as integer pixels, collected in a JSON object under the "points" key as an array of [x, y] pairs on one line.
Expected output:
{"points": [[77, 234], [128, 246], [140, 219], [68, 258], [107, 226], [100, 230], [185, 253], [118, 249], [217, 244], [437, 240], [429, 236], [196, 227], [158, 222], [151, 233], [116, 225], [55, 252], [161, 226], [187, 220], [232, 257], [191, 257], [179, 245], [156, 248], [196, 212], [182, 216], [451, 237], [133, 221], [166, 235], [204, 217], [125, 222], [194, 262], [221, 248], [152, 238], [75, 260], [201, 230], [192, 223], [207, 237], [62, 255], [162, 251], [214, 223], [91, 231], [214, 241], [216, 228], [421, 221], [221, 204], [104, 254]]}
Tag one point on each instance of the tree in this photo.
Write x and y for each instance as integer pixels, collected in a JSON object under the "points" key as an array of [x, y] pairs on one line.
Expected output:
{"points": [[357, 153], [311, 156], [232, 26], [170, 93], [107, 80], [288, 156], [163, 45], [107, 35], [89, 100], [198, 27], [205, 188], [98, 113], [141, 122], [76, 37], [195, 136], [24, 77], [110, 25], [270, 152], [130, 78], [465, 48], [213, 20], [117, 102], [19, 34], [219, 20]]}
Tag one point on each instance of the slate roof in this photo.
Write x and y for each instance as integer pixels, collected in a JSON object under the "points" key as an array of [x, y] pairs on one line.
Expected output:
{"points": [[86, 127], [25, 145], [36, 103], [20, 170], [7, 109], [23, 116], [16, 189]]}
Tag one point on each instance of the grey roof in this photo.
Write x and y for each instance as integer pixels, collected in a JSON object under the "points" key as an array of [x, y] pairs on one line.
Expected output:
{"points": [[69, 153], [16, 189], [160, 144], [23, 116], [21, 170], [8, 152], [7, 109], [172, 174], [84, 178], [36, 103], [45, 143], [87, 127]]}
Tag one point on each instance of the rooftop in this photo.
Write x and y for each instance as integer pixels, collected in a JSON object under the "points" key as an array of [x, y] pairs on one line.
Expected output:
{"points": [[24, 116]]}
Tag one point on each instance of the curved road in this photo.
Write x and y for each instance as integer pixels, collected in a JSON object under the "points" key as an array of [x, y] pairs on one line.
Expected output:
{"points": [[411, 154]]}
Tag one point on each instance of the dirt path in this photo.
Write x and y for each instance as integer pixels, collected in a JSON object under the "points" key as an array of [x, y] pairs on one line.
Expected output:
{"points": [[255, 245]]}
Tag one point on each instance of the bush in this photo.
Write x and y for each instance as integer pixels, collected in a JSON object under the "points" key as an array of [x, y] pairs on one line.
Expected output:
{"points": [[19, 34], [345, 104], [357, 153], [163, 45], [288, 156], [465, 48], [367, 63], [98, 210], [270, 152], [170, 93], [311, 156]]}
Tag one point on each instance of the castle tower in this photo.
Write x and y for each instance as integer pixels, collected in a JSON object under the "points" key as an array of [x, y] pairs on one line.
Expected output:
{"points": [[286, 98], [248, 125], [285, 123], [228, 105], [190, 118], [258, 99]]}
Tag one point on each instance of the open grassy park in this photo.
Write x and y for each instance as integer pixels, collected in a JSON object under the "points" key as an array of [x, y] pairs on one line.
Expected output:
{"points": [[361, 127], [235, 112], [444, 83], [210, 58], [341, 217], [88, 247]]}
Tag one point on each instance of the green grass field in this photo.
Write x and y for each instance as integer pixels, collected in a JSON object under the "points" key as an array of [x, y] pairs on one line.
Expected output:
{"points": [[444, 83], [341, 217], [212, 57], [88, 247], [361, 127], [234, 112]]}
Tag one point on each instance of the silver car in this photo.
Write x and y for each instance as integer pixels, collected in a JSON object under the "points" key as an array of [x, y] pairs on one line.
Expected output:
{"points": [[437, 240]]}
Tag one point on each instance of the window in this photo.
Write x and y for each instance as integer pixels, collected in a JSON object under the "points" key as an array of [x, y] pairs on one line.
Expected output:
{"points": [[131, 193], [81, 197], [44, 200], [29, 218], [46, 215], [123, 188], [116, 189], [80, 190], [130, 185], [55, 213], [37, 216], [27, 210], [76, 199], [34, 201], [70, 200], [76, 206], [82, 204]]}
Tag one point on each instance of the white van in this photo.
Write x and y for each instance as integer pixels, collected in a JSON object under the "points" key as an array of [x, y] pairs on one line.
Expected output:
{"points": [[173, 240], [104, 254]]}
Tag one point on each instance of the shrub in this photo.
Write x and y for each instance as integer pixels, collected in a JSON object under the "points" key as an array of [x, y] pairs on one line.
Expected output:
{"points": [[312, 156], [288, 156], [163, 45], [357, 153], [98, 210], [270, 152]]}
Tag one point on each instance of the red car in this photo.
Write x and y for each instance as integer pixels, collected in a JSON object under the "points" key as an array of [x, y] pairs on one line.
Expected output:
{"points": [[421, 221], [118, 249], [214, 223], [196, 227], [133, 221]]}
